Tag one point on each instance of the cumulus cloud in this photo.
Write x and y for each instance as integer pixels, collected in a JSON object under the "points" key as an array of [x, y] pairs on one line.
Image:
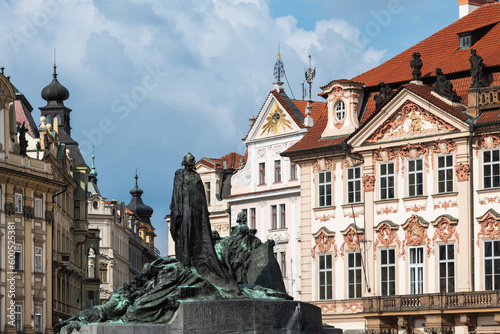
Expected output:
{"points": [[213, 62]]}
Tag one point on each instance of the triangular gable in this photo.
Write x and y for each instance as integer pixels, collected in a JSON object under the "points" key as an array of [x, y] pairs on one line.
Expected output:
{"points": [[275, 118], [411, 114]]}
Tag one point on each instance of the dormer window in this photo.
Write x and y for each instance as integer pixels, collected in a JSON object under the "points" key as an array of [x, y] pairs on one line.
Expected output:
{"points": [[340, 111], [465, 41]]}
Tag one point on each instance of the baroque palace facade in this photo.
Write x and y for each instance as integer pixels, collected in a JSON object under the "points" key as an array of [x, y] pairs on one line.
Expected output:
{"points": [[400, 189]]}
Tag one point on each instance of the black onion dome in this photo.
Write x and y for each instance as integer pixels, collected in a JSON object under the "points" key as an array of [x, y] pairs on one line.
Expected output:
{"points": [[137, 206], [55, 91]]}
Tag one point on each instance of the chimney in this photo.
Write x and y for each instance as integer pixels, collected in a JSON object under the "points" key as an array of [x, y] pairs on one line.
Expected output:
{"points": [[468, 6]]}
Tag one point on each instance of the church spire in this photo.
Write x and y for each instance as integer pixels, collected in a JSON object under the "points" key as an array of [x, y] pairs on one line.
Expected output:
{"points": [[93, 171], [279, 71]]}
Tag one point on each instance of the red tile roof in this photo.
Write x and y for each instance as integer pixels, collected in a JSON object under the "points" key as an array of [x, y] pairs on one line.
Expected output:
{"points": [[232, 161], [23, 115], [490, 116], [441, 50]]}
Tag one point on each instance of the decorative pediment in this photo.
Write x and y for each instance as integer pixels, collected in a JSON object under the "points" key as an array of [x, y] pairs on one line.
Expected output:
{"points": [[416, 230], [323, 164], [445, 228], [277, 121], [324, 242], [410, 121], [386, 233], [490, 225], [353, 237]]}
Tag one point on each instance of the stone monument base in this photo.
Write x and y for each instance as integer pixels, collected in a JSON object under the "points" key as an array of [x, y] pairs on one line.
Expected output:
{"points": [[236, 316]]}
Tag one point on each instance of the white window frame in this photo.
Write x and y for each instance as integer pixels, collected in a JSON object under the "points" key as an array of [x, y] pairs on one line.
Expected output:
{"points": [[415, 172], [38, 259], [294, 171], [446, 261], [353, 185], [416, 270], [38, 203], [38, 320], [18, 197], [18, 265], [325, 199], [388, 267], [208, 193], [356, 270], [445, 173], [385, 178], [491, 165], [325, 277], [18, 313], [340, 111], [491, 258]]}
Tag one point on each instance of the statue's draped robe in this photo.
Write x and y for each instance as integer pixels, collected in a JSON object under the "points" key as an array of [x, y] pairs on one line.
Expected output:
{"points": [[191, 230]]}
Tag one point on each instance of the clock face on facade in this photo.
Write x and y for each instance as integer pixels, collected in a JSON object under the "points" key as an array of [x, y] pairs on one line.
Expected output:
{"points": [[276, 120]]}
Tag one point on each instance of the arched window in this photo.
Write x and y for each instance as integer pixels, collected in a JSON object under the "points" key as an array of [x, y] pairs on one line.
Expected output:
{"points": [[340, 111]]}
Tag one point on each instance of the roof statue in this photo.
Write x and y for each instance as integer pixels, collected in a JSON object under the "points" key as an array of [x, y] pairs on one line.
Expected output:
{"points": [[243, 267], [383, 95], [444, 87], [416, 65], [23, 143], [476, 69], [279, 68]]}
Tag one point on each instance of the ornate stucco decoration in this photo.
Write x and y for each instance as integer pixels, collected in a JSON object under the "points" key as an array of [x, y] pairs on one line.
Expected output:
{"points": [[385, 155], [352, 307], [386, 235], [244, 176], [416, 208], [10, 208], [387, 210], [445, 205], [49, 216], [261, 153], [277, 149], [416, 233], [410, 121], [444, 229], [488, 141], [325, 218], [369, 182], [323, 164], [28, 212], [490, 228], [463, 171], [442, 146], [336, 93], [276, 121], [325, 308], [353, 237], [411, 151], [324, 241], [489, 200]]}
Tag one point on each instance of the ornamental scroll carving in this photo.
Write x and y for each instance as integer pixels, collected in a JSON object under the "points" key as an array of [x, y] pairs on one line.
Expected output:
{"points": [[336, 93], [488, 141], [369, 182], [385, 155], [416, 233], [325, 308], [386, 235], [324, 240], [463, 172], [28, 212], [444, 230], [10, 208], [323, 164], [410, 121], [489, 227], [352, 239], [411, 151], [49, 216]]}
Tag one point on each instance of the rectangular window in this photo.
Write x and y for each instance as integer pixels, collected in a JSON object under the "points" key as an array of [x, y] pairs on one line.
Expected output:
{"points": [[252, 218], [274, 217], [104, 274], [325, 188], [446, 268], [445, 173], [492, 265], [262, 173], [388, 272], [354, 185], [416, 270], [207, 192], [19, 318], [18, 202], [325, 275], [282, 216], [38, 260], [354, 275], [38, 320], [293, 171], [77, 210], [415, 177], [38, 208], [491, 169], [387, 180], [283, 263], [18, 257], [277, 171]]}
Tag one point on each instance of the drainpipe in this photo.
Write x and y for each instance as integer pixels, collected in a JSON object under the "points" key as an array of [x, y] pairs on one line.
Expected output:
{"points": [[471, 194]]}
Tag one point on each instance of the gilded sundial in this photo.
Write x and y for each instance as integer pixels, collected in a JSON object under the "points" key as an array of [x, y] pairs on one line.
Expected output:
{"points": [[276, 120]]}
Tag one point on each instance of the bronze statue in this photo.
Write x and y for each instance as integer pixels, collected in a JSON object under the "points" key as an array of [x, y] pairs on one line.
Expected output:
{"points": [[444, 87], [476, 69], [191, 230], [383, 95], [416, 65], [23, 143]]}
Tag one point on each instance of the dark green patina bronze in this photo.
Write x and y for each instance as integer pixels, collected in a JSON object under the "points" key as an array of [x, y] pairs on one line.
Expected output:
{"points": [[239, 266]]}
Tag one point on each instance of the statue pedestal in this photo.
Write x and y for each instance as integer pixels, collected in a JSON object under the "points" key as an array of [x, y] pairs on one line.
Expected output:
{"points": [[242, 316]]}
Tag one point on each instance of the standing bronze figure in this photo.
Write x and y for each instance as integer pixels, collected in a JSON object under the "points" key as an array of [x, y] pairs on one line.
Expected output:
{"points": [[476, 69]]}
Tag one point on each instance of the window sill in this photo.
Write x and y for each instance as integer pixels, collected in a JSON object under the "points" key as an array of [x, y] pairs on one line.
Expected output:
{"points": [[293, 180], [277, 229], [414, 198], [324, 208], [277, 182], [385, 201], [438, 195], [354, 205], [488, 190]]}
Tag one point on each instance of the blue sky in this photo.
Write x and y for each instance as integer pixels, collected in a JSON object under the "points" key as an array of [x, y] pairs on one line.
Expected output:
{"points": [[151, 80]]}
